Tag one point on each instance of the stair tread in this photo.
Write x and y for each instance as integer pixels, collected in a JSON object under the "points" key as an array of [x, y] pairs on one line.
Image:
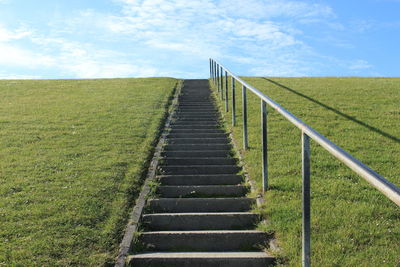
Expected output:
{"points": [[202, 232], [202, 213], [206, 199], [201, 186], [211, 254]]}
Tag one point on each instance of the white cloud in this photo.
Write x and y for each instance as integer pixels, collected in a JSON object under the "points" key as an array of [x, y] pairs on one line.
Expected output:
{"points": [[5, 76], [169, 37], [359, 65], [12, 55], [205, 28], [260, 9], [74, 59], [99, 69], [86, 61], [7, 35]]}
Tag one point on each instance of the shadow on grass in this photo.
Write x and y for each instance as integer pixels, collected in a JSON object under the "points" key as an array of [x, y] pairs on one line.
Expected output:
{"points": [[372, 128]]}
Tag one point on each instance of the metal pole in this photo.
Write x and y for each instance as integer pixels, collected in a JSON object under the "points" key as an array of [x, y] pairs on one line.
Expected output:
{"points": [[226, 93], [306, 251], [244, 98], [218, 78], [222, 82], [209, 61], [264, 113], [213, 72], [233, 103]]}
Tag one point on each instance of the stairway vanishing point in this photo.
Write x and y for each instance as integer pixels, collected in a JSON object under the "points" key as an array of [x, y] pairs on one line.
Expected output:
{"points": [[201, 216]]}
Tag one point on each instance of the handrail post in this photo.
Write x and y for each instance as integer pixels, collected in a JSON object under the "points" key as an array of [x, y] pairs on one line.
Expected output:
{"points": [[233, 102], [212, 71], [244, 101], [264, 114], [210, 68], [222, 82], [226, 93], [306, 245], [218, 78], [215, 75]]}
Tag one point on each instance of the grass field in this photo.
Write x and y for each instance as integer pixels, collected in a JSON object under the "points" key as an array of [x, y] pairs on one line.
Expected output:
{"points": [[72, 156], [352, 223]]}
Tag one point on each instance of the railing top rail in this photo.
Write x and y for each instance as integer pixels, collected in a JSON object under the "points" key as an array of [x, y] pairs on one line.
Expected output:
{"points": [[379, 182]]}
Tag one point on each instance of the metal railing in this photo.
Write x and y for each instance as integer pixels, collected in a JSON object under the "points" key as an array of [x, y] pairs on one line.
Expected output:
{"points": [[391, 191]]}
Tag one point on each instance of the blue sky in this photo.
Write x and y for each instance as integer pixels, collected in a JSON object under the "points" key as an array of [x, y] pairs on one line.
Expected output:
{"points": [[145, 38]]}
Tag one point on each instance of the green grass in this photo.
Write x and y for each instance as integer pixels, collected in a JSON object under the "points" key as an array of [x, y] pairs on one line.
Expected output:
{"points": [[352, 223], [73, 154]]}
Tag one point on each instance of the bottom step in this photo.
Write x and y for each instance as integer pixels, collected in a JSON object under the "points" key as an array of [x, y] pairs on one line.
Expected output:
{"points": [[201, 259]]}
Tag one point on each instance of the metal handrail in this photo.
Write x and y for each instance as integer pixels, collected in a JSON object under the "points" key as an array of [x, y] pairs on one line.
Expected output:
{"points": [[390, 190]]}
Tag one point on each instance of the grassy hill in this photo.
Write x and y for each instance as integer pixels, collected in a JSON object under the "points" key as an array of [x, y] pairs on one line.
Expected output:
{"points": [[352, 223], [73, 152], [72, 156]]}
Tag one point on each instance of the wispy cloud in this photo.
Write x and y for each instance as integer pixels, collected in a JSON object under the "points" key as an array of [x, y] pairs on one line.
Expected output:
{"points": [[207, 28], [14, 56], [176, 37], [70, 58], [6, 35], [359, 65], [6, 76]]}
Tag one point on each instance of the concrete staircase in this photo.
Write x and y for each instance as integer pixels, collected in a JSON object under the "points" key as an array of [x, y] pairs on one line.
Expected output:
{"points": [[202, 215]]}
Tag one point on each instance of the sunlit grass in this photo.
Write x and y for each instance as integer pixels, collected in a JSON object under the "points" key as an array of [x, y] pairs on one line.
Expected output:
{"points": [[352, 223], [72, 155]]}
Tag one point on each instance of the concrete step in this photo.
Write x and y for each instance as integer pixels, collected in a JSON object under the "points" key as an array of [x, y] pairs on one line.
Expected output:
{"points": [[212, 122], [194, 97], [199, 221], [198, 161], [191, 147], [196, 108], [198, 169], [199, 111], [199, 98], [197, 135], [172, 205], [172, 131], [223, 140], [194, 127], [191, 117], [196, 153], [195, 100], [221, 179], [175, 191], [196, 113], [196, 121], [202, 259], [185, 104], [217, 240]]}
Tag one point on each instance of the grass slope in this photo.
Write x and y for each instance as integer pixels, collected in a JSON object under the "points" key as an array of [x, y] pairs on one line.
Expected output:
{"points": [[72, 155], [352, 223]]}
